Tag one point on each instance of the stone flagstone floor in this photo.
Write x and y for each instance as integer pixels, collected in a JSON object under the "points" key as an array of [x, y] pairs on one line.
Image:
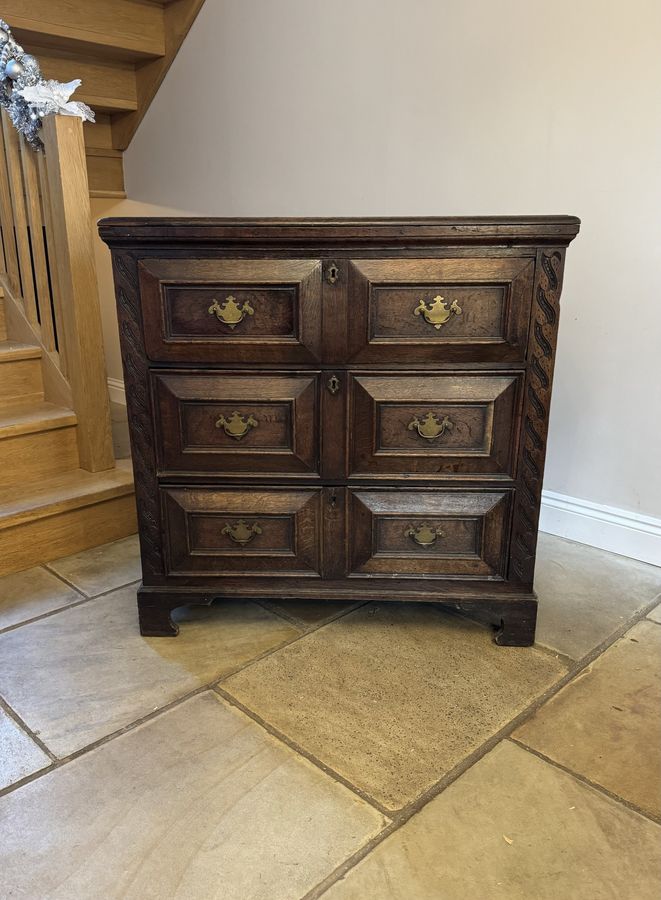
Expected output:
{"points": [[376, 752]]}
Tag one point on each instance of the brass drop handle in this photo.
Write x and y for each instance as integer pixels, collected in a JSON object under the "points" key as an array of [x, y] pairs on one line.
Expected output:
{"points": [[437, 313], [230, 313], [423, 535], [237, 426], [429, 426], [241, 533]]}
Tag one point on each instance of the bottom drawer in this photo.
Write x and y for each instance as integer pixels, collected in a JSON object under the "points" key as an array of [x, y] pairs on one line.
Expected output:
{"points": [[429, 533], [210, 531]]}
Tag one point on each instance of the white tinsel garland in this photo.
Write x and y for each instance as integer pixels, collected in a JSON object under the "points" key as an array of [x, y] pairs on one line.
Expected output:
{"points": [[27, 96]]}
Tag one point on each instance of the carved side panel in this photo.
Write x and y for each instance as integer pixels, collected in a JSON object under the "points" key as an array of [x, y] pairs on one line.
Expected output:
{"points": [[532, 453], [138, 401]]}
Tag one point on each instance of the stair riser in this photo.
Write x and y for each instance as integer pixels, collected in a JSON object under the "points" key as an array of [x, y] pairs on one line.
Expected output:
{"points": [[31, 458], [21, 379], [43, 540]]}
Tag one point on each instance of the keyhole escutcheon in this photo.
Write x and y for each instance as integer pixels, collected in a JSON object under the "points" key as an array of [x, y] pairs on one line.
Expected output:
{"points": [[332, 273], [333, 384]]}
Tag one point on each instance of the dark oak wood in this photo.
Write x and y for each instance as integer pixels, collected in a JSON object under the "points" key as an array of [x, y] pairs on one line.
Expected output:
{"points": [[339, 409], [237, 423], [394, 420], [282, 322], [487, 301], [440, 533], [241, 531]]}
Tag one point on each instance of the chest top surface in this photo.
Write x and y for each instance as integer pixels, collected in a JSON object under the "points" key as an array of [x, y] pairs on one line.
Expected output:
{"points": [[501, 230]]}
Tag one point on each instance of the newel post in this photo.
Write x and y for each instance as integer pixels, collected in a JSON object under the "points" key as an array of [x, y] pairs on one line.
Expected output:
{"points": [[74, 267]]}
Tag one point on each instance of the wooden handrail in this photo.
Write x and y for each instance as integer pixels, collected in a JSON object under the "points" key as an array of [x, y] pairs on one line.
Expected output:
{"points": [[48, 267]]}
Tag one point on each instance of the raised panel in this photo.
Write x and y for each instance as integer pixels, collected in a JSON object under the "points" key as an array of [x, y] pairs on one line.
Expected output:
{"points": [[233, 531], [461, 534], [436, 310], [232, 310], [430, 426], [237, 423]]}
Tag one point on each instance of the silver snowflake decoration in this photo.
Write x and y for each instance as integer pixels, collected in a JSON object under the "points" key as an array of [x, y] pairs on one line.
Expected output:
{"points": [[27, 96]]}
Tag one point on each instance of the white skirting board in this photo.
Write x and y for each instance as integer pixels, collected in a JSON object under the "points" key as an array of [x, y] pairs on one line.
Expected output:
{"points": [[116, 391], [606, 527]]}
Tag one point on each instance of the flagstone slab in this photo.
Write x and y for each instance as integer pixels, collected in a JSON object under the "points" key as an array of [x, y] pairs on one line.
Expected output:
{"points": [[84, 673], [393, 696], [586, 594], [19, 755], [606, 723], [513, 828], [198, 803]]}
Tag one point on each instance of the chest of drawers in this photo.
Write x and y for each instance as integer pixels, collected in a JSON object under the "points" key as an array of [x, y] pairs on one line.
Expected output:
{"points": [[339, 409]]}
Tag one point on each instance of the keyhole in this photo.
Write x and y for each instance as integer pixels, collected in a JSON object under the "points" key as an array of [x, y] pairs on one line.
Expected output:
{"points": [[333, 384], [332, 274]]}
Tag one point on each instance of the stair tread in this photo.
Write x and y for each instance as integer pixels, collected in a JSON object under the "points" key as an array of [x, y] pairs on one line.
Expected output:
{"points": [[14, 350], [25, 418], [123, 29], [69, 490]]}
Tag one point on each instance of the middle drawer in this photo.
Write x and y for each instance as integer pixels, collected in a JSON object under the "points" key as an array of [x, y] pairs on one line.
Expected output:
{"points": [[432, 425], [368, 426], [237, 423]]}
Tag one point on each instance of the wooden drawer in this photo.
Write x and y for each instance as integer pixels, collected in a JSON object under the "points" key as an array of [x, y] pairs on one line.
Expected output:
{"points": [[229, 423], [232, 310], [241, 531], [434, 425], [438, 533], [438, 310]]}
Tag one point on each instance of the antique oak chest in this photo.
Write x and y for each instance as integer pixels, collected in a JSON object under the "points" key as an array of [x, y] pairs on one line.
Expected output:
{"points": [[339, 408]]}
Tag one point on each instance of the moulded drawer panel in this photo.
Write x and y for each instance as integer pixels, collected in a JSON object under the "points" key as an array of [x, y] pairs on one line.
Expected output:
{"points": [[225, 423], [429, 533], [232, 310], [217, 532], [436, 310], [427, 425]]}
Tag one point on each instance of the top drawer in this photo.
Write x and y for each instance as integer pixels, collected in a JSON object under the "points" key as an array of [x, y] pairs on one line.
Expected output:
{"points": [[232, 310], [437, 310]]}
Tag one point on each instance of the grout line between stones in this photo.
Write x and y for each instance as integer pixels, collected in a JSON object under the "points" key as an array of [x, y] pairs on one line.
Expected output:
{"points": [[304, 631], [64, 580], [11, 712], [398, 817], [53, 612], [58, 762], [402, 816], [599, 788], [299, 623], [301, 751]]}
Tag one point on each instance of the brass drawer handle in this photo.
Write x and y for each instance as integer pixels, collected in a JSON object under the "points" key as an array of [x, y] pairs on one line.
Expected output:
{"points": [[242, 533], [438, 312], [429, 427], [424, 535], [237, 426], [230, 313]]}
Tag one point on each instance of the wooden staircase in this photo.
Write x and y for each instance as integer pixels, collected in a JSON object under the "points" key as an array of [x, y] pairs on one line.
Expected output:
{"points": [[61, 490], [121, 49], [49, 506]]}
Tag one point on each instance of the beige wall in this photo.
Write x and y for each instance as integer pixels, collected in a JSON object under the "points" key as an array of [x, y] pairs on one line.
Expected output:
{"points": [[440, 107]]}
